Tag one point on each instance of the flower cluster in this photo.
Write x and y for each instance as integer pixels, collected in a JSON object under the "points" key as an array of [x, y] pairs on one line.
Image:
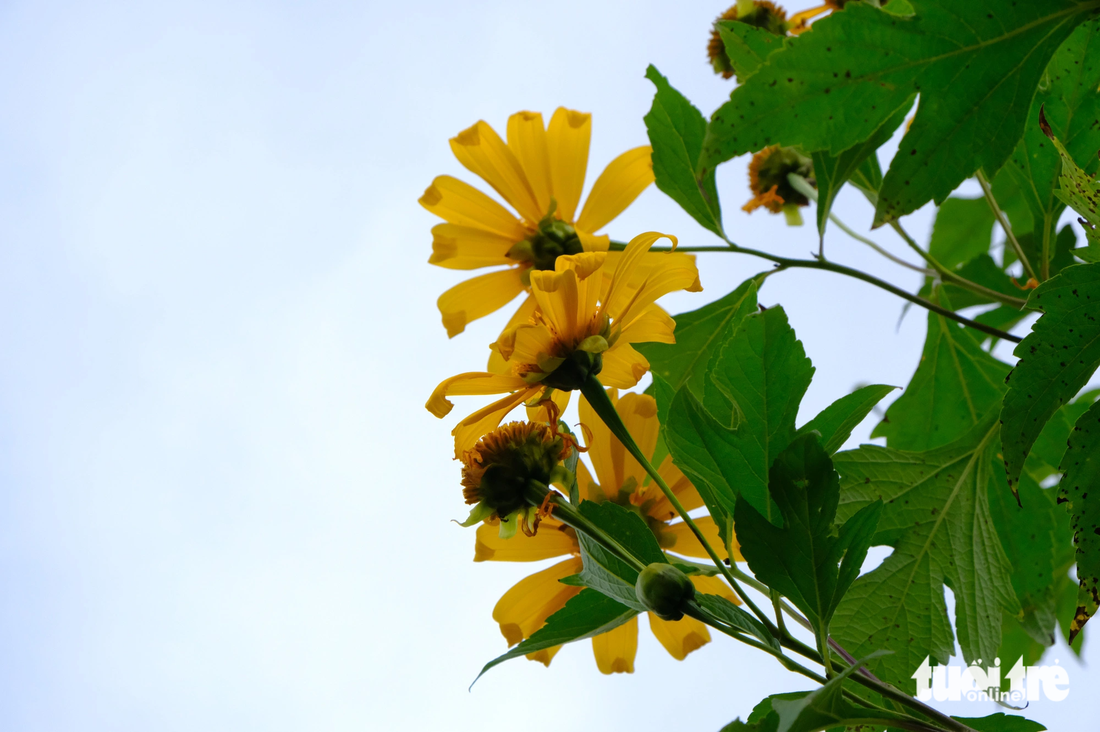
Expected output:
{"points": [[586, 304]]}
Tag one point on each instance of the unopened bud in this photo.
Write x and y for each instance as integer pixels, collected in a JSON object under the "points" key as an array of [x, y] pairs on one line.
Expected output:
{"points": [[664, 589]]}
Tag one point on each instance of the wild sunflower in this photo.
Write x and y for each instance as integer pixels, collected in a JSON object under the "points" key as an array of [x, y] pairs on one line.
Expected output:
{"points": [[540, 173], [583, 326], [525, 607], [770, 186]]}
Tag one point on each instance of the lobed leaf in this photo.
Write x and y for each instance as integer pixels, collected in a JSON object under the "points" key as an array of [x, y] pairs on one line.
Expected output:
{"points": [[835, 422], [747, 46], [1081, 469], [976, 66]]}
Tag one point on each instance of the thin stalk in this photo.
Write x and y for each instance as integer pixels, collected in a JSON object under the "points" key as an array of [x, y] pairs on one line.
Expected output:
{"points": [[594, 392], [571, 517], [949, 276], [786, 263], [803, 186], [988, 191]]}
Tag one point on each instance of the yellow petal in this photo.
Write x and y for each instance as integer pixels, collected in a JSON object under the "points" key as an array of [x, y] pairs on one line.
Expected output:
{"points": [[658, 283], [477, 297], [679, 637], [497, 363], [568, 138], [618, 296], [587, 486], [467, 384], [615, 649], [686, 544], [619, 184], [556, 294], [553, 539], [652, 326], [639, 415], [545, 656], [714, 586], [593, 243], [485, 420], [623, 366], [527, 141], [539, 413], [462, 204], [480, 149], [681, 487], [524, 608], [466, 247], [527, 343]]}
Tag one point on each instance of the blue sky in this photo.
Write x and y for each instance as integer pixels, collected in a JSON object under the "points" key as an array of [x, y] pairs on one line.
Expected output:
{"points": [[223, 503]]}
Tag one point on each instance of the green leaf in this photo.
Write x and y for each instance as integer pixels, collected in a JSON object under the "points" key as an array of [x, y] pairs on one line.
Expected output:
{"points": [[1079, 191], [747, 46], [826, 707], [836, 422], [800, 559], [975, 65], [1068, 95], [758, 380], [831, 172], [733, 616], [1032, 538], [1056, 359], [604, 571], [699, 333], [956, 384], [983, 271], [1081, 468], [962, 230], [676, 130], [1001, 722], [937, 518], [587, 615]]}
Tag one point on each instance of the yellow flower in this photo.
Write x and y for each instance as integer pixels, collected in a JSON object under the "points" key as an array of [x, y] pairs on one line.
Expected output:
{"points": [[584, 325], [540, 173], [768, 181], [800, 21], [525, 607]]}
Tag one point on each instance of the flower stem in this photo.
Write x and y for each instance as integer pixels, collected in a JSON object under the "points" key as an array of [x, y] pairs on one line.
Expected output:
{"points": [[988, 191], [786, 263], [594, 392]]}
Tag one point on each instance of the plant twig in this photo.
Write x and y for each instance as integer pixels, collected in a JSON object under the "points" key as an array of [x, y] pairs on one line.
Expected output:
{"points": [[988, 191]]}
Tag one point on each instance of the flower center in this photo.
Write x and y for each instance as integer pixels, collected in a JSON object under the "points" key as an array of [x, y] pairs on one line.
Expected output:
{"points": [[552, 238]]}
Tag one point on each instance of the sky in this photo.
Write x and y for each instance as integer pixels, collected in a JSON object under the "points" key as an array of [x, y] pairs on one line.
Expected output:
{"points": [[223, 504]]}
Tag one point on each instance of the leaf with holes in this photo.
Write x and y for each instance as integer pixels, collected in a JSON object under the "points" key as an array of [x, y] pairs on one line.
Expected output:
{"points": [[1056, 359], [1080, 492], [976, 66]]}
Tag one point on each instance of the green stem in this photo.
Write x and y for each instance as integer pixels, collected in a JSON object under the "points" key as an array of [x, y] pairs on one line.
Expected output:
{"points": [[571, 517], [786, 263], [988, 191], [949, 276], [803, 186], [597, 398]]}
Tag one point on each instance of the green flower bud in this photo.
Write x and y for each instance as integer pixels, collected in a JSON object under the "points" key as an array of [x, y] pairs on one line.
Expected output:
{"points": [[664, 589]]}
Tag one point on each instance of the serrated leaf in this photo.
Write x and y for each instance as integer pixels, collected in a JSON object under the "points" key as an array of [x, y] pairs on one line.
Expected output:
{"points": [[698, 334], [587, 615], [800, 559], [956, 384], [962, 230], [747, 46], [676, 130], [831, 172], [1056, 359], [836, 421], [754, 389], [937, 517], [1032, 539], [733, 616], [975, 65], [603, 570], [1068, 95], [1080, 492]]}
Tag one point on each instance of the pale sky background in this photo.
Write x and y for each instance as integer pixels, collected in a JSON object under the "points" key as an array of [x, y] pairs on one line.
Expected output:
{"points": [[223, 505]]}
